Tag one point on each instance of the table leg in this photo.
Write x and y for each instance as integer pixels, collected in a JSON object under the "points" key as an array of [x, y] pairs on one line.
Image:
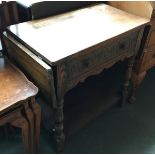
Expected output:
{"points": [[37, 119], [30, 118], [22, 123], [59, 126], [127, 80], [136, 81]]}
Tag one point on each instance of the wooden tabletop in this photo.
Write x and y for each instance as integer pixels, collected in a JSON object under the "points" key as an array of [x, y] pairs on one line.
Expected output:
{"points": [[14, 86], [55, 38]]}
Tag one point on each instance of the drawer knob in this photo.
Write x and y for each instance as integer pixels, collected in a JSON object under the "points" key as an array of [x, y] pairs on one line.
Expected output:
{"points": [[86, 63], [122, 46]]}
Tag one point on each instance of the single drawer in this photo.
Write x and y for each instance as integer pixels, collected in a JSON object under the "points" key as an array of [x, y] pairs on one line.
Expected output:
{"points": [[86, 63], [38, 71]]}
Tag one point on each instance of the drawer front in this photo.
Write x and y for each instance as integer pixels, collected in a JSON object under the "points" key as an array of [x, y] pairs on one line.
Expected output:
{"points": [[82, 64], [151, 39], [38, 71]]}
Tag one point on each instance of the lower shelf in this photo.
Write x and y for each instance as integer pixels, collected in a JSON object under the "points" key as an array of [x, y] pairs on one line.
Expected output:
{"points": [[78, 115], [88, 100]]}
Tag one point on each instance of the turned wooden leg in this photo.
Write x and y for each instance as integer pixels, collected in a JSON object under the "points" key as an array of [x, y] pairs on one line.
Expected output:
{"points": [[137, 78], [127, 80], [29, 115], [37, 119], [59, 127], [22, 123]]}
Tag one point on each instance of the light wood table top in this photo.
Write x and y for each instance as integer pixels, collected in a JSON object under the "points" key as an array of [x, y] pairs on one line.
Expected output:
{"points": [[14, 85], [55, 38]]}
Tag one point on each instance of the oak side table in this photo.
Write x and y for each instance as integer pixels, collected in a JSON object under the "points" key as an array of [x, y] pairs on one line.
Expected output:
{"points": [[77, 45]]}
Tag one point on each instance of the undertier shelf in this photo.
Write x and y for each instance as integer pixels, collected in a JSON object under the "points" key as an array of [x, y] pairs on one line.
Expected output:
{"points": [[87, 108]]}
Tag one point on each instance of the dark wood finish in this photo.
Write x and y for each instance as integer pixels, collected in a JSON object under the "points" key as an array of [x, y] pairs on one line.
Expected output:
{"points": [[14, 13], [9, 16], [9, 13], [151, 39], [5, 14], [37, 71], [77, 52], [17, 119], [37, 117], [34, 67], [17, 94], [16, 89], [30, 118]]}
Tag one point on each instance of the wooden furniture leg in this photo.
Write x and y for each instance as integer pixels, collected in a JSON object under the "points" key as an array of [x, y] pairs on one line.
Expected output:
{"points": [[14, 104], [59, 126], [137, 78], [29, 116], [22, 123], [127, 80], [37, 119]]}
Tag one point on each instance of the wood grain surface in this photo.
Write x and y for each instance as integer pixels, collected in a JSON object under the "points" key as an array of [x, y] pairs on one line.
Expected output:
{"points": [[14, 85], [58, 37]]}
